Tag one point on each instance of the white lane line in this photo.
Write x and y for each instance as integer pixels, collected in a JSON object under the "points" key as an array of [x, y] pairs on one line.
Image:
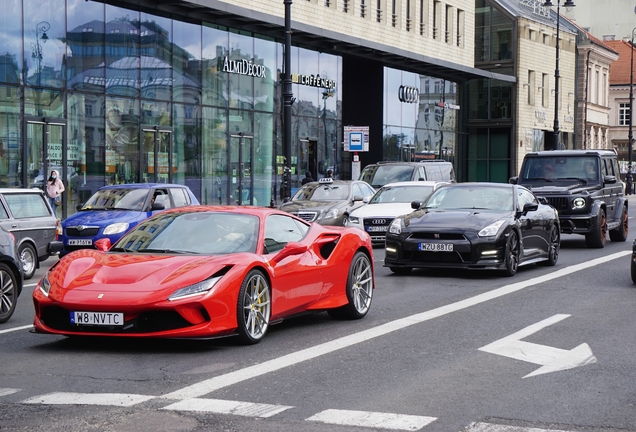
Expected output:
{"points": [[8, 391], [112, 399], [16, 329], [372, 419], [489, 427], [207, 386], [246, 409], [30, 285]]}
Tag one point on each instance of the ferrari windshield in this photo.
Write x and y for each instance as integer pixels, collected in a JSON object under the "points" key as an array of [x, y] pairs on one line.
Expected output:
{"points": [[215, 233], [323, 192], [118, 199], [401, 194], [477, 197]]}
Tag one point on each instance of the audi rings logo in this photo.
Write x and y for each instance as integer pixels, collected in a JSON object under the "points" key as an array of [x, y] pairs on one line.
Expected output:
{"points": [[379, 222], [408, 94]]}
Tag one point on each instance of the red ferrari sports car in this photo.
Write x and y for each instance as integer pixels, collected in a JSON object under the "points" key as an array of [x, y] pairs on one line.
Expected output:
{"points": [[207, 271]]}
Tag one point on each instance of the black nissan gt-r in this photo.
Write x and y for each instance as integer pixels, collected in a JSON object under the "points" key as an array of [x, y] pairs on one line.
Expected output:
{"points": [[475, 226]]}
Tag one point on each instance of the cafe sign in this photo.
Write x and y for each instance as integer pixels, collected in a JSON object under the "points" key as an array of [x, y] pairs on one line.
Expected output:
{"points": [[313, 81]]}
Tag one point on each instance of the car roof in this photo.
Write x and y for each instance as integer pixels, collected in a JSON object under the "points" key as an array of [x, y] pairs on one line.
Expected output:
{"points": [[553, 153], [415, 183], [143, 186], [483, 184], [21, 190]]}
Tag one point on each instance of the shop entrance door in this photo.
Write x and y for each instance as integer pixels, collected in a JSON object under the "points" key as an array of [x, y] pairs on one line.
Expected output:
{"points": [[241, 187], [308, 160], [45, 141], [157, 158]]}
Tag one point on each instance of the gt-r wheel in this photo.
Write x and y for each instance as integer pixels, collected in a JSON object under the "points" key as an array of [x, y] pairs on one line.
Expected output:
{"points": [[401, 270], [29, 260], [554, 246], [620, 234], [598, 237], [512, 254], [8, 292], [254, 308], [359, 289]]}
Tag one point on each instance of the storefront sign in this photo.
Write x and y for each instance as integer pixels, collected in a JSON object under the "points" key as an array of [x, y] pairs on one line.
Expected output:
{"points": [[540, 115], [537, 7], [243, 67], [448, 105], [313, 81]]}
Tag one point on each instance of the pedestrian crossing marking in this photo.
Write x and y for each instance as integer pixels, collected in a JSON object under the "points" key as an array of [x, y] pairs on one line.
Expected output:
{"points": [[63, 398], [372, 419], [8, 391], [246, 409], [490, 427]]}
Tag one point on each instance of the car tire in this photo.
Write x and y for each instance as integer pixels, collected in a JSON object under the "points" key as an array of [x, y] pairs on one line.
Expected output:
{"points": [[345, 220], [29, 260], [554, 246], [254, 308], [620, 234], [359, 289], [512, 253], [401, 270], [8, 292], [598, 237], [633, 269]]}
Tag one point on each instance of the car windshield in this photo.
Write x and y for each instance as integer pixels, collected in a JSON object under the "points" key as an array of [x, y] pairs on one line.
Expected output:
{"points": [[380, 175], [214, 233], [555, 168], [477, 197], [118, 199], [401, 194], [323, 192]]}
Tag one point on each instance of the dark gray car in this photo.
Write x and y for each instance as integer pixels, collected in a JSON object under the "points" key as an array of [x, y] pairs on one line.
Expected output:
{"points": [[27, 214], [10, 275]]}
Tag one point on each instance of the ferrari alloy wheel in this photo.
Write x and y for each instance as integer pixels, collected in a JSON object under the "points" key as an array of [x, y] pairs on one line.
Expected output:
{"points": [[620, 234], [8, 293], [29, 260], [554, 246], [254, 308], [598, 237], [359, 289], [512, 254]]}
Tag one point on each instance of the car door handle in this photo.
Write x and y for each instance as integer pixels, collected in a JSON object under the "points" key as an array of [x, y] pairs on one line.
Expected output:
{"points": [[14, 226]]}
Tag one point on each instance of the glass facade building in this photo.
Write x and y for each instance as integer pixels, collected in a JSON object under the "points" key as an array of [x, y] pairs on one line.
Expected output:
{"points": [[110, 95]]}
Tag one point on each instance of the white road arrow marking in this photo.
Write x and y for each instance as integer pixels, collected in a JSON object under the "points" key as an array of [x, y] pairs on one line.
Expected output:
{"points": [[551, 359]]}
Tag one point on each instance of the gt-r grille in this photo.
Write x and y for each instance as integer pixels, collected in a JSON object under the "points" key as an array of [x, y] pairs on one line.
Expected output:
{"points": [[438, 257], [437, 236], [84, 232], [148, 322], [308, 216], [559, 203]]}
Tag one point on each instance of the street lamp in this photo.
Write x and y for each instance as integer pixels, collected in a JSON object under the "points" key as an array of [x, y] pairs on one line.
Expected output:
{"points": [[288, 100], [40, 35], [554, 138], [630, 139]]}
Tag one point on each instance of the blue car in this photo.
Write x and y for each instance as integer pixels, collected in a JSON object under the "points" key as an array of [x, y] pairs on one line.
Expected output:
{"points": [[113, 210]]}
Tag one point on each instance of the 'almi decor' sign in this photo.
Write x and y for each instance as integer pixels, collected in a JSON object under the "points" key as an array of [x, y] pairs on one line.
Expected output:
{"points": [[243, 67]]}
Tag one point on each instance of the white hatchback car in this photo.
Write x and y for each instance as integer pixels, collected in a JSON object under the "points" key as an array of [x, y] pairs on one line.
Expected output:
{"points": [[390, 201]]}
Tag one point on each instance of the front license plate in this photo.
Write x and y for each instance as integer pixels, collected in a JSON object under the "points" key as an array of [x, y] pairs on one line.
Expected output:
{"points": [[97, 318], [436, 247], [80, 242], [377, 228]]}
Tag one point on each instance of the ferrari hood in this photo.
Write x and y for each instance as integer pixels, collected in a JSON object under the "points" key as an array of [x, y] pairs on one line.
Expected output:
{"points": [[97, 271], [104, 217], [451, 220]]}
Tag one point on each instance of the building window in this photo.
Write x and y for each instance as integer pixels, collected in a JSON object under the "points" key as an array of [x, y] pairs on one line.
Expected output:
{"points": [[545, 90], [408, 15], [531, 34], [546, 39], [623, 114], [394, 16], [378, 16], [530, 85], [363, 9], [345, 6], [423, 14], [436, 19], [460, 28], [448, 26]]}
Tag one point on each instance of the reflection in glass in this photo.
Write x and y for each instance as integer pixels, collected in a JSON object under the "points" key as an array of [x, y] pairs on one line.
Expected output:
{"points": [[214, 157], [186, 152], [10, 138], [123, 60], [241, 85], [215, 48], [264, 148], [43, 103], [85, 39], [187, 62], [122, 140], [155, 36], [44, 47], [11, 41]]}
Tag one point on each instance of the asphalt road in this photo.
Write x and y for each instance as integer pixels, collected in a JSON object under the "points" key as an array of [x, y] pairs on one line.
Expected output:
{"points": [[549, 349]]}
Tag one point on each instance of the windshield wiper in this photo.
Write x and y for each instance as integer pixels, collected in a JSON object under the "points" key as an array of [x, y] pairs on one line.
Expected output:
{"points": [[540, 178], [574, 178], [174, 251]]}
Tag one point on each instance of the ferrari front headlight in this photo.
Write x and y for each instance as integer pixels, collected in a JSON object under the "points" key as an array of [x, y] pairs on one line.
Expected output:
{"points": [[396, 226], [492, 229], [116, 228], [198, 288], [45, 285]]}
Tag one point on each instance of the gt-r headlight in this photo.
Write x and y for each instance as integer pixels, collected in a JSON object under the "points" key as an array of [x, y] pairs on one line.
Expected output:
{"points": [[116, 228], [578, 203], [45, 285], [396, 226], [331, 214], [198, 288], [492, 229]]}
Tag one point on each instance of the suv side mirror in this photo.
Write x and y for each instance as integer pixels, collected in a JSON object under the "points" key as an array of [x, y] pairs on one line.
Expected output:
{"points": [[609, 179], [415, 205], [513, 180]]}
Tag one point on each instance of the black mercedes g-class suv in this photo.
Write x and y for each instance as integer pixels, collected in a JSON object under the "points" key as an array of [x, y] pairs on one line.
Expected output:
{"points": [[586, 189]]}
